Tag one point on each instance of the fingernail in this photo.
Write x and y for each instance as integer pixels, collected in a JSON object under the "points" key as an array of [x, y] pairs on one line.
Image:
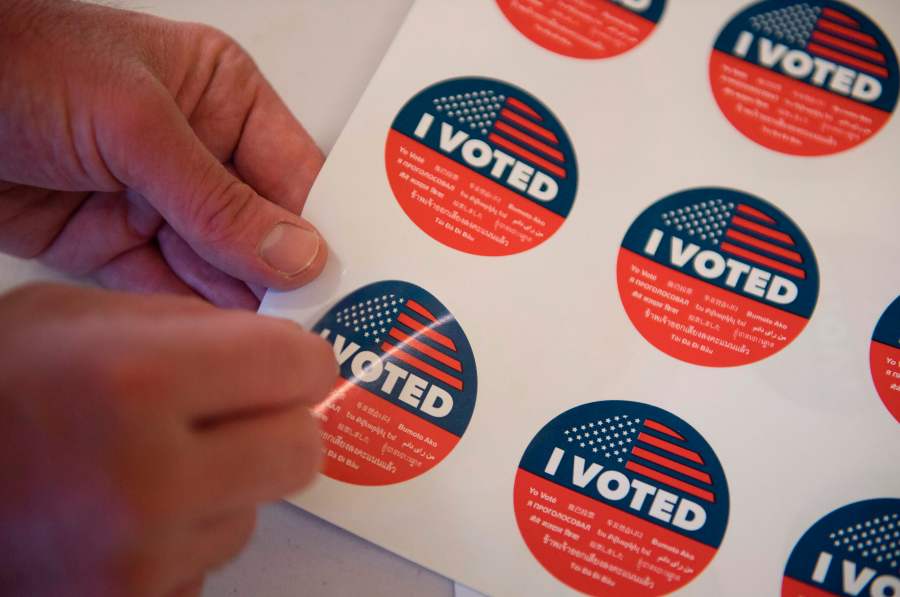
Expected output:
{"points": [[290, 249]]}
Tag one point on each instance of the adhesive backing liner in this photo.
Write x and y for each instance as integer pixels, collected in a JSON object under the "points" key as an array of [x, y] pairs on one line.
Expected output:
{"points": [[797, 433]]}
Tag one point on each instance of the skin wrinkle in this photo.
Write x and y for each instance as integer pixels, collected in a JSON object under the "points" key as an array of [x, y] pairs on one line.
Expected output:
{"points": [[128, 100]]}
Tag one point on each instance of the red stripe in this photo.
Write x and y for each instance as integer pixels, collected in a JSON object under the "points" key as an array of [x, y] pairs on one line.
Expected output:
{"points": [[850, 47], [421, 365], [763, 260], [761, 244], [854, 35], [752, 211], [426, 350], [675, 466], [839, 16], [525, 123], [670, 447], [426, 331], [671, 481], [524, 153], [662, 429], [524, 108], [414, 306], [823, 51], [543, 147], [759, 229]]}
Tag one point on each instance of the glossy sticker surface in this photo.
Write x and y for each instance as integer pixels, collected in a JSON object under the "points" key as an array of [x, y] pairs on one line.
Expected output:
{"points": [[588, 29], [884, 358], [804, 77], [620, 499], [406, 389], [481, 166], [853, 551], [717, 277]]}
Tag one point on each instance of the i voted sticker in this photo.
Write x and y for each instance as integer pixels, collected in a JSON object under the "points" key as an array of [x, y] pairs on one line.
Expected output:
{"points": [[481, 166], [804, 77], [619, 498], [406, 389], [853, 551], [884, 358], [587, 29], [717, 277]]}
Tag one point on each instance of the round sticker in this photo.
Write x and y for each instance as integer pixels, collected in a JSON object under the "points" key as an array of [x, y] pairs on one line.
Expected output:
{"points": [[481, 166], [717, 277], [620, 498], [804, 77], [853, 551], [406, 389], [884, 358], [585, 28]]}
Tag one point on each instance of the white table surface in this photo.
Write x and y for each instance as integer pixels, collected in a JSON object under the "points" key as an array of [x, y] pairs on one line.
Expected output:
{"points": [[319, 54]]}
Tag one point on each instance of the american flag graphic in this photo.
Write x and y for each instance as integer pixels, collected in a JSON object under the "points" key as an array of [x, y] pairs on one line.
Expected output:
{"points": [[648, 448], [509, 123], [740, 230], [826, 32], [876, 540], [405, 330]]}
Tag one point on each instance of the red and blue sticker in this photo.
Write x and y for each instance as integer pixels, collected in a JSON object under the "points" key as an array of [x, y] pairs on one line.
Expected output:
{"points": [[804, 77], [406, 389], [620, 498], [481, 166], [884, 358], [853, 551], [717, 277], [587, 29]]}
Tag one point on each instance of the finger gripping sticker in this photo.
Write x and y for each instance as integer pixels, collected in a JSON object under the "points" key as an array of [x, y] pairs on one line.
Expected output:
{"points": [[587, 29], [884, 358], [620, 498], [717, 277], [406, 389], [481, 166], [853, 551], [804, 77]]}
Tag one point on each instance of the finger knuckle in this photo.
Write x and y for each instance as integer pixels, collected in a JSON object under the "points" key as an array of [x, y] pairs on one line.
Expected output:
{"points": [[223, 214]]}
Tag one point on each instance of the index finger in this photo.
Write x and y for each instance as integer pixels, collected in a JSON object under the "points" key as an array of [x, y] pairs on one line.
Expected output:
{"points": [[275, 155], [232, 364]]}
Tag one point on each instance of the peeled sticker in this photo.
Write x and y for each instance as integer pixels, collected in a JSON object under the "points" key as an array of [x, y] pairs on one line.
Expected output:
{"points": [[884, 358], [853, 551], [806, 78], [619, 498], [481, 166], [406, 389], [585, 28], [717, 277]]}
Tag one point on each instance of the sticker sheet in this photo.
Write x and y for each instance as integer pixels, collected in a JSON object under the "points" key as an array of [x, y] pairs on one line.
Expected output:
{"points": [[614, 289]]}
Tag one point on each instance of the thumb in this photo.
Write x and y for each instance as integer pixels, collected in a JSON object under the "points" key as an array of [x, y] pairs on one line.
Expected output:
{"points": [[222, 218]]}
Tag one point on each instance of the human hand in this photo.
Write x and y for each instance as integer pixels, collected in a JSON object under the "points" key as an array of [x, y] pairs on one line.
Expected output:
{"points": [[140, 432], [149, 154]]}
